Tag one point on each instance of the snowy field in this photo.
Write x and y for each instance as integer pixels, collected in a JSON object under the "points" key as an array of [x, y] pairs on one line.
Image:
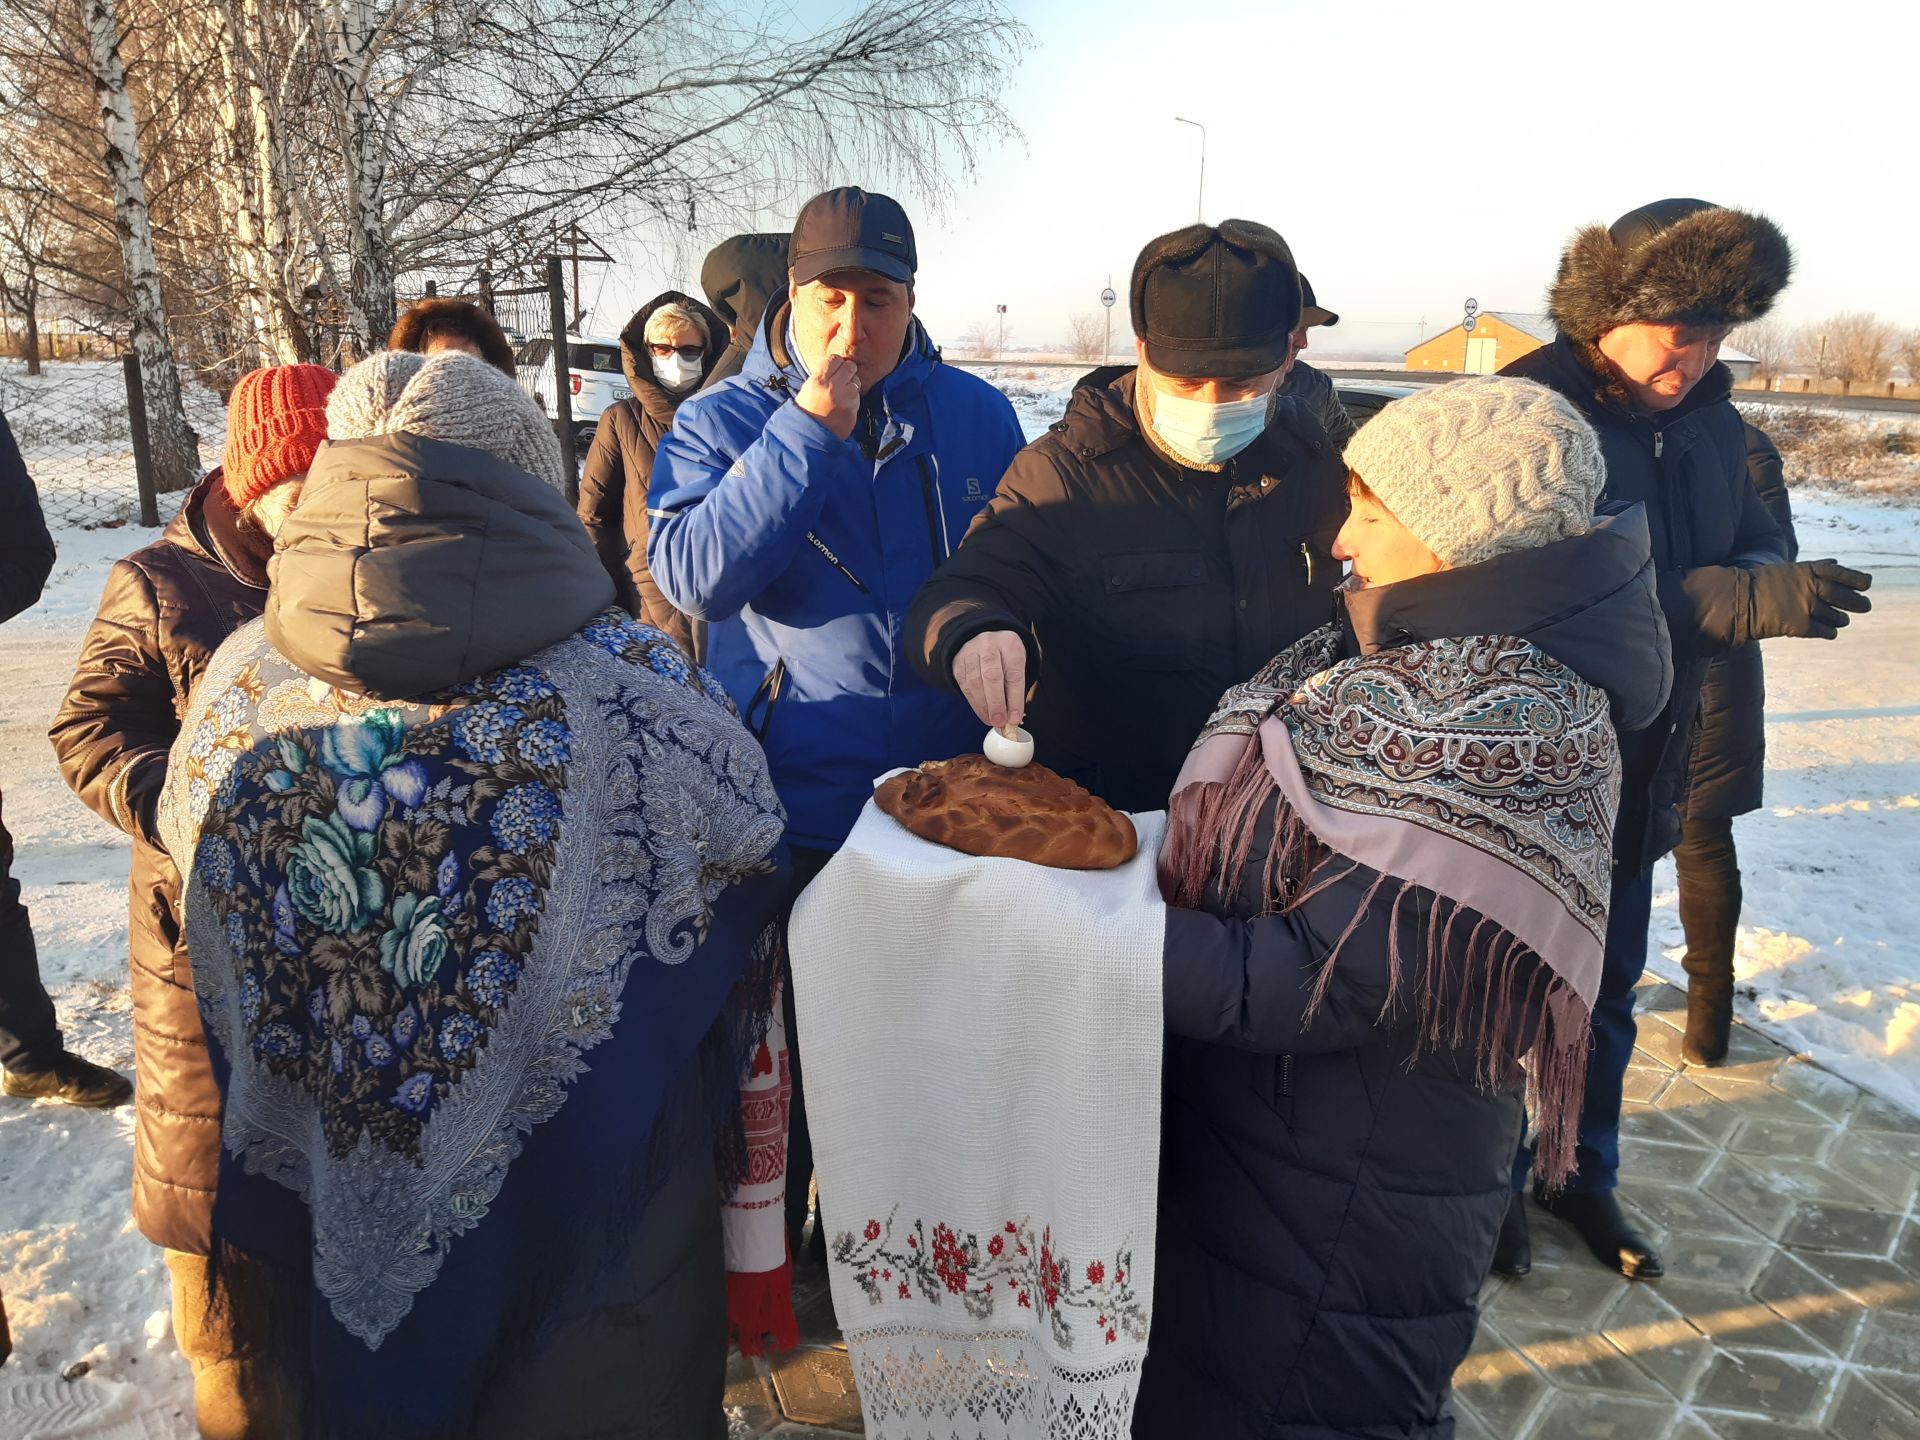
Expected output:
{"points": [[1826, 960]]}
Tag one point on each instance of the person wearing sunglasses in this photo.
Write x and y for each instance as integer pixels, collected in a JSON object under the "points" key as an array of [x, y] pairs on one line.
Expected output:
{"points": [[668, 350]]}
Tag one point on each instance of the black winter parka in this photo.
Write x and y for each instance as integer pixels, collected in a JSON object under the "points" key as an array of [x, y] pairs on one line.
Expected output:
{"points": [[1727, 773], [1141, 589], [26, 546], [1314, 390], [1329, 1193], [1688, 467]]}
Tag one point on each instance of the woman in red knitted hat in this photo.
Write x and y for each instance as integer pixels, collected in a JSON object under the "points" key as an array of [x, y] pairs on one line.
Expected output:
{"points": [[166, 609]]}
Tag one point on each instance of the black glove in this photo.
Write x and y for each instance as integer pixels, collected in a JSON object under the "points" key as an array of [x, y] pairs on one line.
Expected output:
{"points": [[1733, 606], [1810, 599]]}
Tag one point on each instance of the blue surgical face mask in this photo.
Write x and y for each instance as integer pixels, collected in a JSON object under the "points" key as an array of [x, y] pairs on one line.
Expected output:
{"points": [[1204, 434]]}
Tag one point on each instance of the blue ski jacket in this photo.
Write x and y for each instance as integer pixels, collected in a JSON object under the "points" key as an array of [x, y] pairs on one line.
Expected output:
{"points": [[802, 552]]}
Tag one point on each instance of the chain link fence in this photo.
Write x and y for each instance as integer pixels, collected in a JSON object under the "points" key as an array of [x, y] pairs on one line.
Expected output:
{"points": [[72, 426]]}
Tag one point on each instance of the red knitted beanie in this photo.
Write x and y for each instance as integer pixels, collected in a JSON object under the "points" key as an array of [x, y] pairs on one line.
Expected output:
{"points": [[276, 419]]}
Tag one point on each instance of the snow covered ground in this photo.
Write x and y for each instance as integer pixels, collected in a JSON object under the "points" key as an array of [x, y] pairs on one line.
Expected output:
{"points": [[1826, 953]]}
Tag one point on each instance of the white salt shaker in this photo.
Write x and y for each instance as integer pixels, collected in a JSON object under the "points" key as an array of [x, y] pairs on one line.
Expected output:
{"points": [[1012, 747]]}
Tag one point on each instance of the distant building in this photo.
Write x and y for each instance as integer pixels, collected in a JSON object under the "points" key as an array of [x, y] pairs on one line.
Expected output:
{"points": [[1501, 337]]}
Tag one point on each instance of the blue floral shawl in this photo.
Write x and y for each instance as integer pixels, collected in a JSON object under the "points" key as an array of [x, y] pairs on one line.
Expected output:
{"points": [[412, 923]]}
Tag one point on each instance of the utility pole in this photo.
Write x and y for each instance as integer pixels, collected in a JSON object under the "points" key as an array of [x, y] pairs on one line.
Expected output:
{"points": [[1200, 206]]}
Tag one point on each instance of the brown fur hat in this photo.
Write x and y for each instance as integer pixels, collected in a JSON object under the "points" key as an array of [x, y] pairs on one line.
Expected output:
{"points": [[1674, 262], [425, 319]]}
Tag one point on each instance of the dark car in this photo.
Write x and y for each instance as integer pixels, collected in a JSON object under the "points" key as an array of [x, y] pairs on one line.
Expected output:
{"points": [[1365, 399]]}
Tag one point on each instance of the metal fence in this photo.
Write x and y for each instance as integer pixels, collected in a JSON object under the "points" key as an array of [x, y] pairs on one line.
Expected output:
{"points": [[72, 425]]}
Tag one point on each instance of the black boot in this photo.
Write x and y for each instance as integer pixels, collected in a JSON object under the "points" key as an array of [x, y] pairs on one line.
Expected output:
{"points": [[69, 1078], [1708, 869], [1513, 1251], [1597, 1215], [1709, 1019]]}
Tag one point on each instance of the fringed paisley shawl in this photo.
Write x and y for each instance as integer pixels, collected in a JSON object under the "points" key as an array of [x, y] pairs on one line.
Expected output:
{"points": [[1479, 779], [411, 922]]}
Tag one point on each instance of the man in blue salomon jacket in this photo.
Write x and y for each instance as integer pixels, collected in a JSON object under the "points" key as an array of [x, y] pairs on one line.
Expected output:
{"points": [[798, 507]]}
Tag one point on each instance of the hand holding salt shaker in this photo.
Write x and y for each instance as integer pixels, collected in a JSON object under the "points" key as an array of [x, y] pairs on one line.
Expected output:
{"points": [[1009, 746]]}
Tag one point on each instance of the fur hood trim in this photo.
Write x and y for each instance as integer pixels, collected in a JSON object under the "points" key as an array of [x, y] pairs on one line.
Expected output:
{"points": [[1707, 265]]}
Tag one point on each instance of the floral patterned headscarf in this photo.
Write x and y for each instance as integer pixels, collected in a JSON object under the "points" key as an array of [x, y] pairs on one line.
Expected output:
{"points": [[410, 921]]}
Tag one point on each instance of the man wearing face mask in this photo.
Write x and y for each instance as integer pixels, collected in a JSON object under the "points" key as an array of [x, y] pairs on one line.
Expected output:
{"points": [[1642, 307], [668, 349], [798, 506], [1165, 539]]}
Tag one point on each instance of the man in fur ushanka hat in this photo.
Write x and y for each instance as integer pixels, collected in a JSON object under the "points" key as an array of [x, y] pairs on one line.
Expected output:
{"points": [[1642, 307]]}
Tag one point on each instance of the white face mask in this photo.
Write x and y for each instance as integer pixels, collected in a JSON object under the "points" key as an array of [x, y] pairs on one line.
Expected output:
{"points": [[674, 372], [1207, 434]]}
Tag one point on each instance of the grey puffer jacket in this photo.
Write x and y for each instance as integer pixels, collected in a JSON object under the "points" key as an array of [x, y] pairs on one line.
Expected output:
{"points": [[407, 565]]}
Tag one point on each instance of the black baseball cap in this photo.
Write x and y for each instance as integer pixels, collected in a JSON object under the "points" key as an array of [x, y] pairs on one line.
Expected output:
{"points": [[851, 229], [1312, 312], [1216, 300]]}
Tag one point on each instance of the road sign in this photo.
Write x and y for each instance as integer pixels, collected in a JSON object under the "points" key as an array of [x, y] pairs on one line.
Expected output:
{"points": [[1468, 324], [1473, 306], [1107, 297]]}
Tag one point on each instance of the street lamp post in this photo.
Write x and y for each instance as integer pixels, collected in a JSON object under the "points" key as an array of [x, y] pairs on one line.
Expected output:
{"points": [[1200, 206]]}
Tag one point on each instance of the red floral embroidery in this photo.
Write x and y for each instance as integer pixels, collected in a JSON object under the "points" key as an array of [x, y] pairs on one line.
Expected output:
{"points": [[949, 1262], [955, 1265]]}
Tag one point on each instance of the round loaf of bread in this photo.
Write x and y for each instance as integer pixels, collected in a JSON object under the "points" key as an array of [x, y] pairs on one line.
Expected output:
{"points": [[979, 808]]}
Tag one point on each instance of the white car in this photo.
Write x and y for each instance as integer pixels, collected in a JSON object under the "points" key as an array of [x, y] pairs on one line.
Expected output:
{"points": [[595, 379]]}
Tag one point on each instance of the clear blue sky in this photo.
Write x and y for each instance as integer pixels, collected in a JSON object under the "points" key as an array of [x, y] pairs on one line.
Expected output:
{"points": [[1417, 153]]}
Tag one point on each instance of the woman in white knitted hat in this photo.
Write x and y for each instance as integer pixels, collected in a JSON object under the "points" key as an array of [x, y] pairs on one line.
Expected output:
{"points": [[1387, 866], [472, 864]]}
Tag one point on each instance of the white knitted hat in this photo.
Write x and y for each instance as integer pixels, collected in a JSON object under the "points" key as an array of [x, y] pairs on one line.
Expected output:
{"points": [[1481, 466], [449, 396]]}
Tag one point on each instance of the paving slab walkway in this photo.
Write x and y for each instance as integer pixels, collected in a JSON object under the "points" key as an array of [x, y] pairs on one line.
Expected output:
{"points": [[1783, 1200]]}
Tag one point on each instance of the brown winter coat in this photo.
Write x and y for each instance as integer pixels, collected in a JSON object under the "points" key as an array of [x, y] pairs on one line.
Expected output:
{"points": [[165, 610], [619, 468]]}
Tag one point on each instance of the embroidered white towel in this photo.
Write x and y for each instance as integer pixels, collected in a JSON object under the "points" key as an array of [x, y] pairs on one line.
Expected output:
{"points": [[981, 1041]]}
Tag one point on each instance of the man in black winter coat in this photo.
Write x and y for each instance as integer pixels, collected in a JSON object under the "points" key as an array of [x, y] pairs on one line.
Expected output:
{"points": [[38, 1066], [1642, 307], [1164, 540], [1310, 386]]}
